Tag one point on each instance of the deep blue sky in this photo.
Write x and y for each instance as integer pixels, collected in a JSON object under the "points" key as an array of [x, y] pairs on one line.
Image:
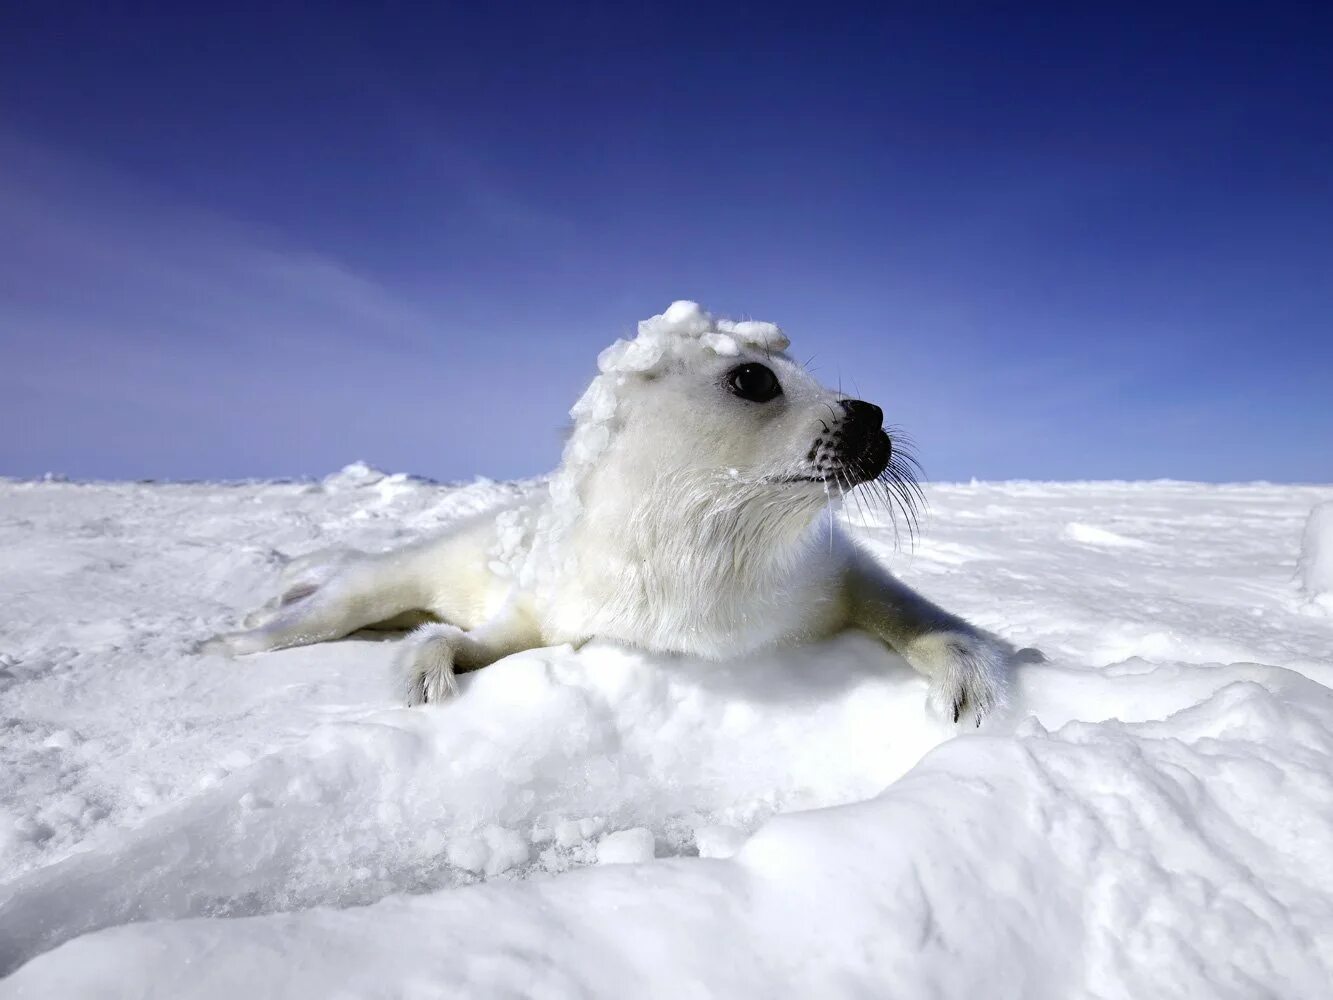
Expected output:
{"points": [[1052, 244]]}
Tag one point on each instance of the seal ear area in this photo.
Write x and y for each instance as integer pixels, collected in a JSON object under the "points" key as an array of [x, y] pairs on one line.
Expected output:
{"points": [[753, 382]]}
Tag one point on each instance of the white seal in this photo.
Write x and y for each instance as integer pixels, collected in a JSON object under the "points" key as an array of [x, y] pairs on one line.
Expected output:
{"points": [[687, 516]]}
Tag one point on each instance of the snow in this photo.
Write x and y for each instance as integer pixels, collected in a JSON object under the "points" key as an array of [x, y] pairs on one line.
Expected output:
{"points": [[1151, 815], [1316, 562], [716, 841], [1090, 534], [626, 847]]}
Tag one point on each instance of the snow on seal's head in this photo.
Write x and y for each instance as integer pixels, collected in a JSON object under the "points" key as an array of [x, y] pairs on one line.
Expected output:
{"points": [[694, 398], [700, 458], [665, 343]]}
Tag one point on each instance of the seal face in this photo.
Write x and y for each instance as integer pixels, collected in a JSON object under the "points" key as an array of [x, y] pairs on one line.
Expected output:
{"points": [[857, 451], [693, 399]]}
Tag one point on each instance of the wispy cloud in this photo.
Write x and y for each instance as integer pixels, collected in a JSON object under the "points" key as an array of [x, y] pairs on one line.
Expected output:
{"points": [[131, 326]]}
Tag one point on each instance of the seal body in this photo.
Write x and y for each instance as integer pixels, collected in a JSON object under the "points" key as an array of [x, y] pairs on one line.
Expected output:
{"points": [[690, 514]]}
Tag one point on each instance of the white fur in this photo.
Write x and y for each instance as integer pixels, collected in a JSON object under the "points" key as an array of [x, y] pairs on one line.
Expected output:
{"points": [[672, 524]]}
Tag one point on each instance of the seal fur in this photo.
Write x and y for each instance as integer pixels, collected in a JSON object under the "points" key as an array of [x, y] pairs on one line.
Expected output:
{"points": [[686, 517]]}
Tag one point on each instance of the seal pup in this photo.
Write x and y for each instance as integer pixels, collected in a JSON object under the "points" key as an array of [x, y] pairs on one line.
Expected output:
{"points": [[690, 514]]}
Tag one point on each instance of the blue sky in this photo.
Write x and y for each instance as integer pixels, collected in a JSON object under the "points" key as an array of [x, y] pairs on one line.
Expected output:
{"points": [[1051, 244]]}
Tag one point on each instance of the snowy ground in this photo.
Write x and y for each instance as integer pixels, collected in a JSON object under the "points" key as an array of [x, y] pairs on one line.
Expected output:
{"points": [[1152, 816]]}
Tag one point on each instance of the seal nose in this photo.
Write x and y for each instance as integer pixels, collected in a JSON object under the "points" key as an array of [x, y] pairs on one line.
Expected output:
{"points": [[867, 415]]}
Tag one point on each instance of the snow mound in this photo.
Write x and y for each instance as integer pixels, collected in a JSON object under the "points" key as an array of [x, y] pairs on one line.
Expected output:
{"points": [[1089, 534], [1316, 560], [551, 759], [1150, 816], [353, 476]]}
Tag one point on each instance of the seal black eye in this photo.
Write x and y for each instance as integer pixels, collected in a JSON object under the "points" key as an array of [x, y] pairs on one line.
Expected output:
{"points": [[754, 382]]}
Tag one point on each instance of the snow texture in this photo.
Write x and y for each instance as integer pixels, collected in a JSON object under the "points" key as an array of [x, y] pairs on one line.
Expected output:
{"points": [[1151, 816], [626, 847], [1316, 565]]}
